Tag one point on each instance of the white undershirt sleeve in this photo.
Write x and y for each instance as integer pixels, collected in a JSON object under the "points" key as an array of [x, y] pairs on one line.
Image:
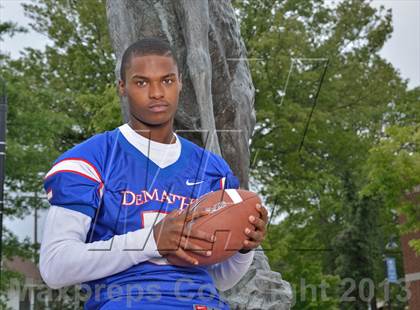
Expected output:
{"points": [[65, 258], [229, 272]]}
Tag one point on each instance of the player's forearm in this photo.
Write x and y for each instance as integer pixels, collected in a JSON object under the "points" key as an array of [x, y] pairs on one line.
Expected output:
{"points": [[230, 272], [65, 258]]}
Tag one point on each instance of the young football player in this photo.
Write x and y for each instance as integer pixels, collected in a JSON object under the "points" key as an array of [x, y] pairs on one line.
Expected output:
{"points": [[115, 202]]}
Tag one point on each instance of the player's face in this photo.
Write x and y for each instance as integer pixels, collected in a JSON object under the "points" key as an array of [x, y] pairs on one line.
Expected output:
{"points": [[152, 87]]}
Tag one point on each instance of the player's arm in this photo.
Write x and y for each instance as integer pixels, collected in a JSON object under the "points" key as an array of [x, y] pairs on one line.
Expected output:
{"points": [[226, 274], [65, 258], [75, 187], [230, 272]]}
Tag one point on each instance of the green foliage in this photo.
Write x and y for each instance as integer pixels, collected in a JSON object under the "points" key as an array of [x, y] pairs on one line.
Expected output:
{"points": [[289, 253], [393, 166], [80, 61], [12, 247], [315, 188], [10, 29], [415, 244], [104, 109], [56, 98]]}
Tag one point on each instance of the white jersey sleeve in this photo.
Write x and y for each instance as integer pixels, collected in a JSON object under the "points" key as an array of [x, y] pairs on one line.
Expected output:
{"points": [[229, 272], [65, 258]]}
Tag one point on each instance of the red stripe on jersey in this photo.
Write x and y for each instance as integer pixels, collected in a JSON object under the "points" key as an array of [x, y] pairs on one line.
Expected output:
{"points": [[77, 172], [82, 174]]}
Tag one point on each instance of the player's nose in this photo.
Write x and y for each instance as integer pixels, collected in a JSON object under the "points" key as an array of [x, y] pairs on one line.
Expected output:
{"points": [[156, 91]]}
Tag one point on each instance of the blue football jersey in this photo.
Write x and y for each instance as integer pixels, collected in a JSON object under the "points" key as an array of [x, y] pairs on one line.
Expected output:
{"points": [[122, 190]]}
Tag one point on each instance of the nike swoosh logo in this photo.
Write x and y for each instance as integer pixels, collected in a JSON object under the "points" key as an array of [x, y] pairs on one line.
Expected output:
{"points": [[192, 183]]}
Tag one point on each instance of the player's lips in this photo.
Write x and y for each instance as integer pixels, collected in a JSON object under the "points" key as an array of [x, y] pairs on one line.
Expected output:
{"points": [[159, 107]]}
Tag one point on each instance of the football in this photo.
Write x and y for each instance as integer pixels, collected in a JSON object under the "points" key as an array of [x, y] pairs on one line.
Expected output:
{"points": [[228, 218]]}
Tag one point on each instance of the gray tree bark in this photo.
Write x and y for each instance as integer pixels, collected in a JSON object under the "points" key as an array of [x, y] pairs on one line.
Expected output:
{"points": [[216, 107]]}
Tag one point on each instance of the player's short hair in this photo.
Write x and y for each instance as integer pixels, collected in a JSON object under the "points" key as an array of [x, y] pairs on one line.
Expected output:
{"points": [[144, 47]]}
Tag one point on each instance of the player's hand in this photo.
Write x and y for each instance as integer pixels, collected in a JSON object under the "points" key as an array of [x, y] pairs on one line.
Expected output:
{"points": [[257, 236], [172, 236]]}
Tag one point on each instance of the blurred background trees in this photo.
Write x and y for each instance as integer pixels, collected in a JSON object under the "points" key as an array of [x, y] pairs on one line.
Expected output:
{"points": [[337, 194]]}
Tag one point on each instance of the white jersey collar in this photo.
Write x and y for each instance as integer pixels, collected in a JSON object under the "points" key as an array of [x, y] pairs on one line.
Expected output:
{"points": [[161, 154]]}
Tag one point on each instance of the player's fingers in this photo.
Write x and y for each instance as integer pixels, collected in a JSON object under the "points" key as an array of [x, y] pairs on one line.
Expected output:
{"points": [[259, 224], [249, 245], [185, 216], [199, 234], [254, 235], [186, 244], [196, 214], [184, 256], [263, 211], [174, 213]]}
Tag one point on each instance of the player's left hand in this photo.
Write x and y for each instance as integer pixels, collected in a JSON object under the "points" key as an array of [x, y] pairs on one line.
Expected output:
{"points": [[255, 237]]}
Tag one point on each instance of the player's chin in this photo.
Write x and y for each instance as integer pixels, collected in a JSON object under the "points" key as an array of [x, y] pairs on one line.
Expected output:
{"points": [[157, 119]]}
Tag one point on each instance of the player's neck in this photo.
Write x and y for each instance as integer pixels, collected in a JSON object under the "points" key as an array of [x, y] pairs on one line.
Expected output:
{"points": [[161, 134]]}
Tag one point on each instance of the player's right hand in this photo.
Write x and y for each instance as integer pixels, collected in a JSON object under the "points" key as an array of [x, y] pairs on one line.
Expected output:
{"points": [[173, 237]]}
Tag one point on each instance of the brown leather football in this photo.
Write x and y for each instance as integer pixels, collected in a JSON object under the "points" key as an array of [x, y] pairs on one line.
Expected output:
{"points": [[229, 216]]}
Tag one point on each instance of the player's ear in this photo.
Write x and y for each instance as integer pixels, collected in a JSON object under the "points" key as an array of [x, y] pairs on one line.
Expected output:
{"points": [[121, 88]]}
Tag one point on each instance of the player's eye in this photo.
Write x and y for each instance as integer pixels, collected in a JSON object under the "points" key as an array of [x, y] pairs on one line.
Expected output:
{"points": [[141, 83], [168, 81]]}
